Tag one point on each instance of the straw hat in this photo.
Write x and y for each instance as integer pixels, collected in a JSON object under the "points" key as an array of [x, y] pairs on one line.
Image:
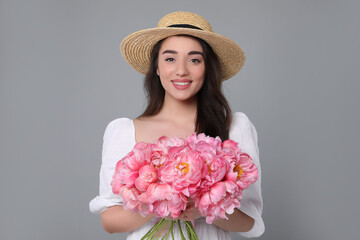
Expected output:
{"points": [[136, 47]]}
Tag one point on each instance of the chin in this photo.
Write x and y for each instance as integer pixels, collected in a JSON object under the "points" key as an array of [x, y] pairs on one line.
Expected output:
{"points": [[187, 98], [182, 97]]}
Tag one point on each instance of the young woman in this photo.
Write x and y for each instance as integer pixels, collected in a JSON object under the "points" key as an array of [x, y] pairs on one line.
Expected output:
{"points": [[185, 63]]}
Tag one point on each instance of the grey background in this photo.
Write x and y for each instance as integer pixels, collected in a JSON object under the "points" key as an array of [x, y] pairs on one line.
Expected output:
{"points": [[63, 79]]}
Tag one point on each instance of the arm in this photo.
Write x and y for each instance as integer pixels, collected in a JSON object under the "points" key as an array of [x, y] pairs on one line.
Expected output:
{"points": [[117, 219], [244, 132], [237, 222], [117, 143]]}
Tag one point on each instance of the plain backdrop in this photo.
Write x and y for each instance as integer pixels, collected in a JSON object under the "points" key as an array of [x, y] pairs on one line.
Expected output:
{"points": [[63, 80]]}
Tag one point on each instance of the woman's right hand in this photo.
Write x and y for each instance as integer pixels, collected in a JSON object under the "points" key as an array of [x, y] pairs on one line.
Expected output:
{"points": [[191, 213]]}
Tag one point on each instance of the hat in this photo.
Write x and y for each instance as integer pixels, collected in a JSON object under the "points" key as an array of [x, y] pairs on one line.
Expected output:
{"points": [[136, 47]]}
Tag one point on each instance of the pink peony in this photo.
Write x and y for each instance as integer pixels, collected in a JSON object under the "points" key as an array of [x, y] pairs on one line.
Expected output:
{"points": [[243, 172], [165, 202], [230, 146], [193, 138], [130, 198], [123, 176], [203, 143], [164, 143], [157, 157], [145, 208], [183, 170], [222, 198], [127, 169], [138, 157], [216, 168], [172, 206], [147, 175], [159, 192]]}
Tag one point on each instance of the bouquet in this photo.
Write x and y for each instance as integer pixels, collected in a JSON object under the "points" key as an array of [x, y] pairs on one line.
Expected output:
{"points": [[161, 178]]}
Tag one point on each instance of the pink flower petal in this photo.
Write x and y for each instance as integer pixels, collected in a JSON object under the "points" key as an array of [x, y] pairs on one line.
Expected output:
{"points": [[217, 192]]}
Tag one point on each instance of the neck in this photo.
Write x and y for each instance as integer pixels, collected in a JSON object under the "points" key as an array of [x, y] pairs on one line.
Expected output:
{"points": [[179, 111]]}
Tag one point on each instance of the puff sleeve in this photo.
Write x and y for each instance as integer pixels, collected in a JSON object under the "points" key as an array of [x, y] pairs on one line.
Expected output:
{"points": [[117, 142], [244, 132]]}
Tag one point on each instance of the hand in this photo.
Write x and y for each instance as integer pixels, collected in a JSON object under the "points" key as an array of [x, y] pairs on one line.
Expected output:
{"points": [[191, 212]]}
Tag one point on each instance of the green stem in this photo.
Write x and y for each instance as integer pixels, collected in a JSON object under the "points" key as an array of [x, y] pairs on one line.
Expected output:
{"points": [[181, 233], [159, 233], [150, 234], [163, 225], [191, 230], [168, 230], [172, 230]]}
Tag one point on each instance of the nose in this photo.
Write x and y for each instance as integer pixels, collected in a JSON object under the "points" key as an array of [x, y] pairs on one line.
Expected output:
{"points": [[181, 69]]}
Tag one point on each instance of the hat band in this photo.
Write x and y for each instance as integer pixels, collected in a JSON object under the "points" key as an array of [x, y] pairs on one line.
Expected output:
{"points": [[184, 26]]}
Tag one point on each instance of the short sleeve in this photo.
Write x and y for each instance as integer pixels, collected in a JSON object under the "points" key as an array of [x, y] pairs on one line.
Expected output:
{"points": [[118, 141], [244, 132]]}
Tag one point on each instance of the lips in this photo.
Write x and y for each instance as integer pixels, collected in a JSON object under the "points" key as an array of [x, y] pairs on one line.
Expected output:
{"points": [[181, 84]]}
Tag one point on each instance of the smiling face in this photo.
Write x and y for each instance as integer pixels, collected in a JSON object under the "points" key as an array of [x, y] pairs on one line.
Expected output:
{"points": [[181, 67]]}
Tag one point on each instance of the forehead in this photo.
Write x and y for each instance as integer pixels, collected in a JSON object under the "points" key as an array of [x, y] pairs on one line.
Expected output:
{"points": [[180, 44]]}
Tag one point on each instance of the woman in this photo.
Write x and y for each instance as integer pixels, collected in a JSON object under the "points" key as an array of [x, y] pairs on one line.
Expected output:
{"points": [[185, 63]]}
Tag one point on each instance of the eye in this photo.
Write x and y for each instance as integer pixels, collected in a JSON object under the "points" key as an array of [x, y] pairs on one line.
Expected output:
{"points": [[169, 59], [195, 60]]}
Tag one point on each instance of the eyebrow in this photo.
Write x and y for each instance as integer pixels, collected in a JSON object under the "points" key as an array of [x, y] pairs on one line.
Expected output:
{"points": [[196, 53], [190, 53]]}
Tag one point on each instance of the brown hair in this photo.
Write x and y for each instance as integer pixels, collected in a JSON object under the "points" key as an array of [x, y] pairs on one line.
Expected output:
{"points": [[213, 111]]}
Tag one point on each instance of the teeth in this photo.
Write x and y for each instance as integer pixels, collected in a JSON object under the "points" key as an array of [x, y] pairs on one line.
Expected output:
{"points": [[182, 83]]}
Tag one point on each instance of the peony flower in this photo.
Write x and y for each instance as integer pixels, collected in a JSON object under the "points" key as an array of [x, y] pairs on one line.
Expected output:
{"points": [[138, 157], [157, 157], [164, 201], [123, 176], [159, 192], [231, 147], [130, 198], [183, 170], [145, 208], [127, 169], [203, 143], [172, 206], [222, 198], [216, 168], [164, 143], [194, 139], [243, 172], [147, 175]]}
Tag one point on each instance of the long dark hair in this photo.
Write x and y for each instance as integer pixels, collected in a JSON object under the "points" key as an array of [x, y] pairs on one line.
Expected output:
{"points": [[213, 111]]}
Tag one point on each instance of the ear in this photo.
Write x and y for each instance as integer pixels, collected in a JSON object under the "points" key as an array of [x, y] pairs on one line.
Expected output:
{"points": [[157, 72]]}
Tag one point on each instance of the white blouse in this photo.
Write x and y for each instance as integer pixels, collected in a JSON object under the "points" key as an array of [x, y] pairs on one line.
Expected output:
{"points": [[119, 139]]}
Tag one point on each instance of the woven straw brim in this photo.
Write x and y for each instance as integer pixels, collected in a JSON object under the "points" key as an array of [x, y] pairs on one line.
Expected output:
{"points": [[136, 48]]}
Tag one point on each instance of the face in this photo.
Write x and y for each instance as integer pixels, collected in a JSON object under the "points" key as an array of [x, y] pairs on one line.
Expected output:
{"points": [[181, 67]]}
